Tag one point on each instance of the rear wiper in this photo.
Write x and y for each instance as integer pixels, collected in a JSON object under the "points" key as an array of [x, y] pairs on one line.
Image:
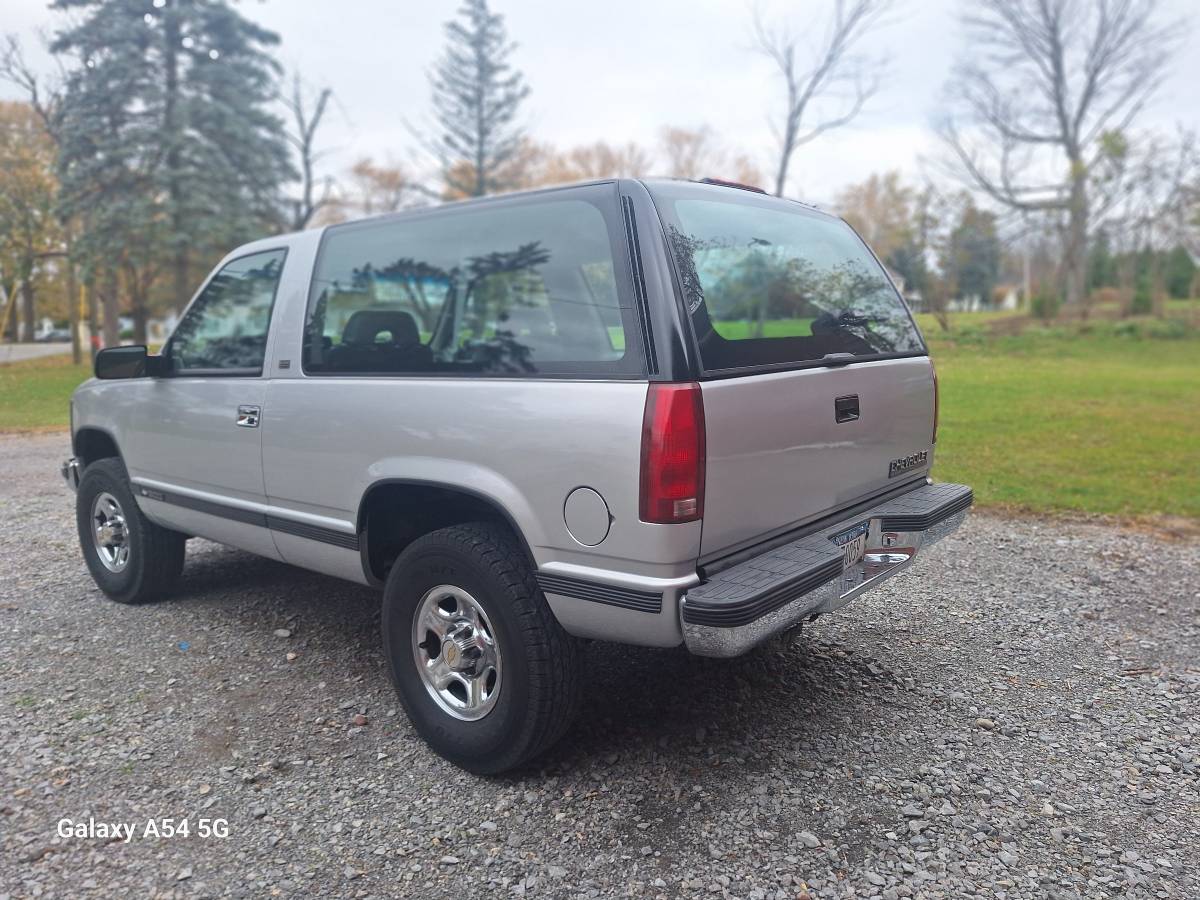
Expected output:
{"points": [[852, 318], [832, 360]]}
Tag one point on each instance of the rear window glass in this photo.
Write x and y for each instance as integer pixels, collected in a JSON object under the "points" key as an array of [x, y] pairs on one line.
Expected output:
{"points": [[769, 283], [514, 288]]}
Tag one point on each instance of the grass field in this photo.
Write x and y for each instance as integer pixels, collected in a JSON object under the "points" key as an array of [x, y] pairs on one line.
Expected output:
{"points": [[1050, 420], [34, 394]]}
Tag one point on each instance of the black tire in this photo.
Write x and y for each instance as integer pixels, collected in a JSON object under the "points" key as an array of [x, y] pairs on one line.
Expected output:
{"points": [[155, 554], [541, 683]]}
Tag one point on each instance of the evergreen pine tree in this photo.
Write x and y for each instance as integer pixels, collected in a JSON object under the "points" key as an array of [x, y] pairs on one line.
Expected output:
{"points": [[476, 97], [1102, 266], [168, 141], [974, 254], [1179, 273]]}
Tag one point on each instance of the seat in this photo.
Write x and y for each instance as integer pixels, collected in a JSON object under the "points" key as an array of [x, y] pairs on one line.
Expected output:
{"points": [[361, 349]]}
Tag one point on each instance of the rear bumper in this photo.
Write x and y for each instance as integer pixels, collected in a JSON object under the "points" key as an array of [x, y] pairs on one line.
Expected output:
{"points": [[742, 606]]}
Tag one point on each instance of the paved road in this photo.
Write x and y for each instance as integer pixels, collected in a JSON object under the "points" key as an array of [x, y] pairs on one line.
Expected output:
{"points": [[10, 353], [1017, 716]]}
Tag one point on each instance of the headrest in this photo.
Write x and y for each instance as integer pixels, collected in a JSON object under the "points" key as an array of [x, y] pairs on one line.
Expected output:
{"points": [[367, 324]]}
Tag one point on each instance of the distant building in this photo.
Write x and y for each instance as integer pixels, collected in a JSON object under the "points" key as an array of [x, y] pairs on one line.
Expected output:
{"points": [[912, 297]]}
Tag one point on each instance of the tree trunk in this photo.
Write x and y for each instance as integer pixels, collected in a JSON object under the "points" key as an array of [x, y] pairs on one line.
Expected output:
{"points": [[782, 172], [1075, 258], [8, 322], [173, 128], [139, 323], [28, 308], [1026, 276], [112, 307], [93, 314], [182, 285], [72, 300], [137, 303], [1158, 301]]}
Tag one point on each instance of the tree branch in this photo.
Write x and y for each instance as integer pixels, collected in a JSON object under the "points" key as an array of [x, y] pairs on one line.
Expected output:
{"points": [[835, 62]]}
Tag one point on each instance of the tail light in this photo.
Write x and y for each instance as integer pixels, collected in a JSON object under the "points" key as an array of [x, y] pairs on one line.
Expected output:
{"points": [[936, 403], [673, 454]]}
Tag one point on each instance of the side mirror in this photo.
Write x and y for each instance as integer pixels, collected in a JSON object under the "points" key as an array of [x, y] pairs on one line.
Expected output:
{"points": [[128, 362]]}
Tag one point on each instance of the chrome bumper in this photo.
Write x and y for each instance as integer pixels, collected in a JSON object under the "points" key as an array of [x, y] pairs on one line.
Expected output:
{"points": [[746, 604], [70, 473]]}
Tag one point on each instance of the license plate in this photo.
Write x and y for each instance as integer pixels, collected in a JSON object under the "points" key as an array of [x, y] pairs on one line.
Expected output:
{"points": [[853, 542]]}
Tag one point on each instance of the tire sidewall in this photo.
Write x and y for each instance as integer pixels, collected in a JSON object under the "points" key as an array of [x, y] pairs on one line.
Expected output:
{"points": [[474, 745], [107, 476]]}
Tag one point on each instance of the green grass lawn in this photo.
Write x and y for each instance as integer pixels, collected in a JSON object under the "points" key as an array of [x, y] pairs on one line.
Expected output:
{"points": [[1052, 420], [34, 395], [1058, 421], [741, 329]]}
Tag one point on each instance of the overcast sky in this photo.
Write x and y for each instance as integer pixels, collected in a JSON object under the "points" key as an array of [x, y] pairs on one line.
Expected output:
{"points": [[622, 69]]}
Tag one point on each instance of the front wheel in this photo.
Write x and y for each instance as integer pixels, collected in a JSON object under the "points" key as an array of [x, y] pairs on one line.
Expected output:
{"points": [[131, 559], [487, 675]]}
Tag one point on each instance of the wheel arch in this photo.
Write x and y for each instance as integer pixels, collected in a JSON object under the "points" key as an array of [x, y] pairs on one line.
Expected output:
{"points": [[385, 527], [90, 443]]}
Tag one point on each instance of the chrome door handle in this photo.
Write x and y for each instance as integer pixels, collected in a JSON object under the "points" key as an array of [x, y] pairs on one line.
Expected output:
{"points": [[247, 416]]}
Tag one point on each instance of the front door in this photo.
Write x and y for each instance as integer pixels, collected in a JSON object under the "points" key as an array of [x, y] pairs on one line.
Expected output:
{"points": [[195, 451]]}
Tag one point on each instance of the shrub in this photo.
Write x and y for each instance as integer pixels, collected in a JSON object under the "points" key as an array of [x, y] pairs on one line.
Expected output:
{"points": [[970, 334], [1105, 296], [1045, 305], [1142, 303], [1168, 329], [1154, 329], [1127, 329]]}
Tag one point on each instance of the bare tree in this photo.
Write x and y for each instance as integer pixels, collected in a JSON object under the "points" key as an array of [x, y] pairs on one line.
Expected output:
{"points": [[603, 160], [690, 152], [1153, 211], [1041, 105], [835, 72], [698, 153], [45, 99], [536, 164], [306, 121], [370, 188]]}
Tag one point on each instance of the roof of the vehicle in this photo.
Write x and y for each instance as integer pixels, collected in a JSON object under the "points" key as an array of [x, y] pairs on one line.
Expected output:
{"points": [[718, 186]]}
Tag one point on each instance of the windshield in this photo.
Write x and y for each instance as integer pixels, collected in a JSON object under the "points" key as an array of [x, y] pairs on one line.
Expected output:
{"points": [[770, 283]]}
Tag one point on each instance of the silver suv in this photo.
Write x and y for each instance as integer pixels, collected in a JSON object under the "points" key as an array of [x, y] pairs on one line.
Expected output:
{"points": [[653, 412]]}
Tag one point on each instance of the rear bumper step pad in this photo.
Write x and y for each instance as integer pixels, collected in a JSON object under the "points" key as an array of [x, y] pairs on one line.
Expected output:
{"points": [[747, 603]]}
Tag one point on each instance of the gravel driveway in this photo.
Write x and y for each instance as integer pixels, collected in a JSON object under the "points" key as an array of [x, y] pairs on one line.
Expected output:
{"points": [[1017, 716]]}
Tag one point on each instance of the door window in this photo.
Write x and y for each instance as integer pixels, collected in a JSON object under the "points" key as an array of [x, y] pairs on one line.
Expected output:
{"points": [[225, 331]]}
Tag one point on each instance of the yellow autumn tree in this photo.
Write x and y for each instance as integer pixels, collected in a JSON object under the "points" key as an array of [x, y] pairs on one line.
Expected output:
{"points": [[30, 233]]}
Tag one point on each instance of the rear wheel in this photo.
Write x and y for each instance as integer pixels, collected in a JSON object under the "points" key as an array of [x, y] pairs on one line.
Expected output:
{"points": [[487, 675], [131, 559]]}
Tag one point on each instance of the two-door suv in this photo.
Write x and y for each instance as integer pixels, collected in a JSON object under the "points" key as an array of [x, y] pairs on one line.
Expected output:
{"points": [[653, 412]]}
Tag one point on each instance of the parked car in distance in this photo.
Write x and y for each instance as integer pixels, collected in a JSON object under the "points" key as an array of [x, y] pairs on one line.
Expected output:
{"points": [[652, 412]]}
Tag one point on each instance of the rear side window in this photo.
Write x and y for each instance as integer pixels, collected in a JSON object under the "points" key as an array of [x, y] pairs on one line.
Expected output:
{"points": [[769, 283], [520, 287]]}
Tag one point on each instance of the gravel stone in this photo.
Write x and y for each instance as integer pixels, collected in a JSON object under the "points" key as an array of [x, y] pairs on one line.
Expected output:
{"points": [[1078, 641]]}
